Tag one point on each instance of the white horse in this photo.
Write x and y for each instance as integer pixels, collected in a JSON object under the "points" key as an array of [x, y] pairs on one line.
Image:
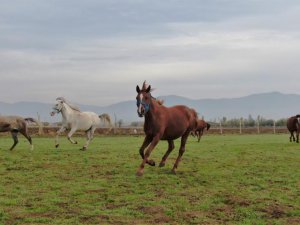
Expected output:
{"points": [[73, 119]]}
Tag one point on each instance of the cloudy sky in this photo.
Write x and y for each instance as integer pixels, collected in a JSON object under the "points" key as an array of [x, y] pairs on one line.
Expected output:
{"points": [[97, 51]]}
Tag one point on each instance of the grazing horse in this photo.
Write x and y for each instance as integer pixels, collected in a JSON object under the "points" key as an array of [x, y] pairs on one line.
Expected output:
{"points": [[293, 125], [14, 125], [162, 123], [201, 125], [73, 119]]}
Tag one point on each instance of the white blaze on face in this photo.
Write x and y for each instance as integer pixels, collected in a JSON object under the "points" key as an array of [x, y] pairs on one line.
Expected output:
{"points": [[140, 105]]}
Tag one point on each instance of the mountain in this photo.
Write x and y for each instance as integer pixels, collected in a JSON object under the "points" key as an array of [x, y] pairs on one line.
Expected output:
{"points": [[273, 105]]}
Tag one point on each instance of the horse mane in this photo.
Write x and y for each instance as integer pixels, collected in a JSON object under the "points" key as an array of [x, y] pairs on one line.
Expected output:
{"points": [[160, 101], [72, 106], [145, 86], [298, 116]]}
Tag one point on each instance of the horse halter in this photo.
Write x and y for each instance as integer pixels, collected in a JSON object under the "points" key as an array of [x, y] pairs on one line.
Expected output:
{"points": [[144, 104], [56, 109]]}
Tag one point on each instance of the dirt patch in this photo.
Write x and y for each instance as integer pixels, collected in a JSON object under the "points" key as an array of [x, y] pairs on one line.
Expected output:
{"points": [[293, 221], [157, 213], [93, 219], [276, 211], [237, 201]]}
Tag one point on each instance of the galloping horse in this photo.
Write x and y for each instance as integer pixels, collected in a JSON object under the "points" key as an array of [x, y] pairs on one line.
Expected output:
{"points": [[162, 123], [73, 119], [293, 125], [16, 124], [201, 125]]}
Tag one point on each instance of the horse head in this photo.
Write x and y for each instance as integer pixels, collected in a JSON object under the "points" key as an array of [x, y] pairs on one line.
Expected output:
{"points": [[58, 106], [143, 99]]}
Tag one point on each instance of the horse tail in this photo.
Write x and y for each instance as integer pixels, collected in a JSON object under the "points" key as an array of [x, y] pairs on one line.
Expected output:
{"points": [[105, 118], [207, 126], [32, 120]]}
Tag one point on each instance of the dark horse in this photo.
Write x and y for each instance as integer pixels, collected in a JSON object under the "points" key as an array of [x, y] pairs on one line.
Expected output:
{"points": [[293, 126], [201, 126], [162, 123], [14, 125]]}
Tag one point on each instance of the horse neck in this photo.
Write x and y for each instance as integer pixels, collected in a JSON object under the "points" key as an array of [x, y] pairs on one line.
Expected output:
{"points": [[67, 112], [150, 115]]}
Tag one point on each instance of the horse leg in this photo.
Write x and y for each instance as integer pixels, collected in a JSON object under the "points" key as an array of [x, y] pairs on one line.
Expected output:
{"points": [[62, 129], [181, 151], [154, 142], [72, 131], [14, 134], [193, 133], [26, 135], [146, 142], [170, 149], [89, 137], [200, 135], [293, 136]]}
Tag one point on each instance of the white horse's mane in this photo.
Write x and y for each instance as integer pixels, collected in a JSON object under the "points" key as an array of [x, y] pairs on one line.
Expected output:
{"points": [[72, 106]]}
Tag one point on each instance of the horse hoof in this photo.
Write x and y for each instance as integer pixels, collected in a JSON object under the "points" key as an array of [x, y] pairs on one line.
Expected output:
{"points": [[151, 162], [173, 171], [75, 142], [83, 149], [139, 173], [162, 164], [56, 146]]}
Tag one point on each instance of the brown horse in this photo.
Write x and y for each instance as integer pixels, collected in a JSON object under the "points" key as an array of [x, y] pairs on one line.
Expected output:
{"points": [[14, 125], [201, 126], [162, 123], [294, 126]]}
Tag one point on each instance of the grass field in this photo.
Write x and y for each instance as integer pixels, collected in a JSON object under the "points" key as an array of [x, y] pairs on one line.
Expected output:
{"points": [[248, 179]]}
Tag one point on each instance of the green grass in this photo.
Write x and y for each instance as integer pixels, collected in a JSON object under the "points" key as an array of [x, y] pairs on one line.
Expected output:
{"points": [[248, 179]]}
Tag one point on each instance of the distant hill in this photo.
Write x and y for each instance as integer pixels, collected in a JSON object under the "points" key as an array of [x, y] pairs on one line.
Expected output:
{"points": [[273, 105]]}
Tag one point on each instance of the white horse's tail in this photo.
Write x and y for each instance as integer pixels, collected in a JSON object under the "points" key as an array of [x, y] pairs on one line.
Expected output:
{"points": [[105, 118]]}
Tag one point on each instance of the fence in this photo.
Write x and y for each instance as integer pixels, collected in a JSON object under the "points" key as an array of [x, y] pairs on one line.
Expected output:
{"points": [[51, 131]]}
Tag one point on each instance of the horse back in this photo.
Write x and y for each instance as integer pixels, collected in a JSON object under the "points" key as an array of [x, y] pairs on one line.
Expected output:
{"points": [[178, 121]]}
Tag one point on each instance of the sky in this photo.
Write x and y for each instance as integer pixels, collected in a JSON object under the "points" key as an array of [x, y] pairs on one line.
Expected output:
{"points": [[97, 51]]}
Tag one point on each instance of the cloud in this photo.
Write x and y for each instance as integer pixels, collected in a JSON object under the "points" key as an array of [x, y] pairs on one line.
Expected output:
{"points": [[95, 52]]}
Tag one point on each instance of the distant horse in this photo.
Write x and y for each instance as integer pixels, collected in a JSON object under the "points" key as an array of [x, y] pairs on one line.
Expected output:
{"points": [[294, 126], [14, 125], [162, 123], [201, 125], [73, 119]]}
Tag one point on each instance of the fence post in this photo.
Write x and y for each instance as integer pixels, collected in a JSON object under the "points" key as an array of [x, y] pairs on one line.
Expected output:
{"points": [[221, 130], [241, 121], [274, 127], [40, 124]]}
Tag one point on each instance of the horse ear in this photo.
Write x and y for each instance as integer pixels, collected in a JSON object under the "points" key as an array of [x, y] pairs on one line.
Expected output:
{"points": [[148, 89], [138, 89]]}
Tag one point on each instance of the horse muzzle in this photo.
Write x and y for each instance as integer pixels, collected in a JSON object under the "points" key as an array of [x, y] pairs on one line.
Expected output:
{"points": [[52, 113], [141, 113]]}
